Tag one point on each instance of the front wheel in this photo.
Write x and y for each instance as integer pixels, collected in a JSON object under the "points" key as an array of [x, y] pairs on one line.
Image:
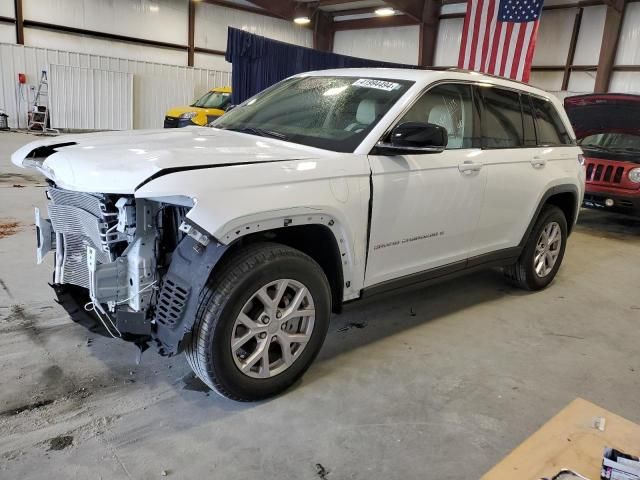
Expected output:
{"points": [[543, 252], [261, 322]]}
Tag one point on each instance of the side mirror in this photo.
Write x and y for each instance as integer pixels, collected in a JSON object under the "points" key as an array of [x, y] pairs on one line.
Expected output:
{"points": [[414, 138]]}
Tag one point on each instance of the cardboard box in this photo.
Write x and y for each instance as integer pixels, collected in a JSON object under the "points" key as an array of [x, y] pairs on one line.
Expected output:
{"points": [[574, 439]]}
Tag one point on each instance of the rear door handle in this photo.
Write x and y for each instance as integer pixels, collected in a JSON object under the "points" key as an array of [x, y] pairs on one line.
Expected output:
{"points": [[468, 167], [538, 162]]}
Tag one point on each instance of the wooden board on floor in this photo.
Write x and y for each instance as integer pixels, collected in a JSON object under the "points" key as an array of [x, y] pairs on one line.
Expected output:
{"points": [[569, 440]]}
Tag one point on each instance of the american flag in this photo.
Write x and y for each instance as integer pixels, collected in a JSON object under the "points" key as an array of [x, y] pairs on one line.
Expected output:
{"points": [[499, 37]]}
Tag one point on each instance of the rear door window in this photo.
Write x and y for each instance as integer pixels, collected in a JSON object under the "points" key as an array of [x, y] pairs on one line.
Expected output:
{"points": [[549, 125], [501, 119]]}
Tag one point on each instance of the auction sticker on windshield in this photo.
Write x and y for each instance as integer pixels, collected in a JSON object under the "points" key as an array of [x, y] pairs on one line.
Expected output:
{"points": [[379, 84]]}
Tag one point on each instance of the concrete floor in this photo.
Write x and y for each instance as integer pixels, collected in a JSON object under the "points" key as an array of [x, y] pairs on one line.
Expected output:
{"points": [[436, 383]]}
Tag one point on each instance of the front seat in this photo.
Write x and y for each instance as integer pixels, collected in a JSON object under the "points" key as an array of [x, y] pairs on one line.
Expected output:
{"points": [[440, 115], [365, 115]]}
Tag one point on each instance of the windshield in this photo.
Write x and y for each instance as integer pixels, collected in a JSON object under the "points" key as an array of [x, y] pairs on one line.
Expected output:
{"points": [[615, 142], [333, 113], [213, 100]]}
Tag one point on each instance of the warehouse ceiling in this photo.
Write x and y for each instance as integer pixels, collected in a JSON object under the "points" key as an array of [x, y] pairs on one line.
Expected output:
{"points": [[378, 12]]}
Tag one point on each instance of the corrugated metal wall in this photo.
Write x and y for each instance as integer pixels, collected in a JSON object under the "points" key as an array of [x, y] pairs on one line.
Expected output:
{"points": [[89, 98], [389, 44], [156, 86], [212, 22]]}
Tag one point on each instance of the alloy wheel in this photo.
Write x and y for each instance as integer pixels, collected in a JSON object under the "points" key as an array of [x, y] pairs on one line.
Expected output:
{"points": [[273, 328], [547, 249]]}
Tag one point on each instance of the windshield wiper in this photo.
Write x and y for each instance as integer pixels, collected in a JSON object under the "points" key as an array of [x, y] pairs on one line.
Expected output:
{"points": [[258, 131], [596, 147], [626, 149]]}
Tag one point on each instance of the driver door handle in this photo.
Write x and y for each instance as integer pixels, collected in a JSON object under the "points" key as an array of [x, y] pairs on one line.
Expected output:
{"points": [[468, 167]]}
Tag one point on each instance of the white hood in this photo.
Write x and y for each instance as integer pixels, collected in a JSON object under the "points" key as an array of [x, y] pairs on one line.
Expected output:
{"points": [[118, 162]]}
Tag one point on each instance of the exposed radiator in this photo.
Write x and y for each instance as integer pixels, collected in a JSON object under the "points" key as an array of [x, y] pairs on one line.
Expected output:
{"points": [[83, 221]]}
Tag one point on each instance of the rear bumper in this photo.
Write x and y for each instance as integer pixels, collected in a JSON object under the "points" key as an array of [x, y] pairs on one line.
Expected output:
{"points": [[629, 204]]}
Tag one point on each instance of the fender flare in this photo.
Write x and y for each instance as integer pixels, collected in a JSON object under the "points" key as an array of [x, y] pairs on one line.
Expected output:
{"points": [[274, 220], [555, 190]]}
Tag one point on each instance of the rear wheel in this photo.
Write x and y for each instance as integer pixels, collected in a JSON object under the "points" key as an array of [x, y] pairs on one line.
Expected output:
{"points": [[261, 322], [543, 253]]}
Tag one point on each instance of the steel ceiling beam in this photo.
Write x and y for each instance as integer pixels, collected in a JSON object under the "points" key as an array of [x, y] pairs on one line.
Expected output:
{"points": [[243, 8], [323, 31], [281, 8], [19, 22], [375, 22], [609, 46], [413, 8], [191, 33], [331, 3]]}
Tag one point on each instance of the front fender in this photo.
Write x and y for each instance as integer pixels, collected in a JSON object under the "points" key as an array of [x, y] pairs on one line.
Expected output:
{"points": [[236, 200]]}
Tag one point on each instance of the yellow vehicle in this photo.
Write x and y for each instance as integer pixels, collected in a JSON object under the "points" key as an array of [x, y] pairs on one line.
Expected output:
{"points": [[203, 111]]}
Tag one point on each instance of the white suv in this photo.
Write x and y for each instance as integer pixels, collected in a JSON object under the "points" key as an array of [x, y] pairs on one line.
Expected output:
{"points": [[235, 242]]}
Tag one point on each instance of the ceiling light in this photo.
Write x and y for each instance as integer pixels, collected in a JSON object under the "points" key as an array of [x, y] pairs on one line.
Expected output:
{"points": [[301, 14], [303, 20], [385, 12]]}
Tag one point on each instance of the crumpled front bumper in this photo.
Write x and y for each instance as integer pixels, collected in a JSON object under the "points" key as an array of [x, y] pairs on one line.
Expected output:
{"points": [[45, 236]]}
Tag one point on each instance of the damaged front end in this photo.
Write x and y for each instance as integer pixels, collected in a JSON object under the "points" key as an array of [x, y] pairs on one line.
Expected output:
{"points": [[113, 264]]}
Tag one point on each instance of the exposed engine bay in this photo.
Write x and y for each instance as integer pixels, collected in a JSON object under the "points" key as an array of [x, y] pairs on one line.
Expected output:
{"points": [[111, 254]]}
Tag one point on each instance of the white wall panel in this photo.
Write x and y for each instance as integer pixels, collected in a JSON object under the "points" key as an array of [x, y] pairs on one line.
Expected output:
{"points": [[448, 43], [390, 44], [554, 36], [7, 33], [550, 81], [590, 37], [212, 62], [156, 86], [6, 9], [95, 46], [90, 98], [582, 82], [629, 43], [163, 20], [212, 22], [625, 82], [453, 8]]}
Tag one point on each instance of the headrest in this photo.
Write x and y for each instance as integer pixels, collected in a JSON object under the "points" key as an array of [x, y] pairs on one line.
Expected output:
{"points": [[367, 111]]}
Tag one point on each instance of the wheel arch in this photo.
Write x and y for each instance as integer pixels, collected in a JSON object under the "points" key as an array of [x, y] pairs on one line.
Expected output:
{"points": [[567, 202], [318, 240], [566, 197]]}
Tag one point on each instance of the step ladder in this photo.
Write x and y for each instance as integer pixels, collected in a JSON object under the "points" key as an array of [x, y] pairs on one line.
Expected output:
{"points": [[39, 114]]}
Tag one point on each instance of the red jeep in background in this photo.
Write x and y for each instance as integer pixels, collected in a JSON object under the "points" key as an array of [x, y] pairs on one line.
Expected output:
{"points": [[608, 130]]}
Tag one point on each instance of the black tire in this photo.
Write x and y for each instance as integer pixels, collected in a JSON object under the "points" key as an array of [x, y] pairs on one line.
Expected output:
{"points": [[522, 274], [241, 275]]}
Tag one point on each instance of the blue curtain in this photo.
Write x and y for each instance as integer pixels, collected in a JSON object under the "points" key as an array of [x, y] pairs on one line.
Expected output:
{"points": [[259, 62]]}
